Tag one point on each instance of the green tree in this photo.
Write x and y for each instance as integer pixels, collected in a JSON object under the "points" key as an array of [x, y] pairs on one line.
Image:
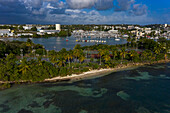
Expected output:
{"points": [[82, 57], [76, 53], [33, 29], [69, 56], [144, 55], [24, 67], [21, 27], [122, 53], [114, 53], [101, 53], [106, 55]]}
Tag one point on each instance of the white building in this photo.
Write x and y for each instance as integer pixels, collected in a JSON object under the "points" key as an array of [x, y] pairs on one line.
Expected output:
{"points": [[118, 27], [10, 34], [138, 28], [27, 27], [78, 31], [107, 27], [137, 33], [40, 33], [49, 31], [113, 31], [26, 34], [96, 27], [58, 27], [165, 25], [125, 36], [131, 27], [4, 31], [147, 30]]}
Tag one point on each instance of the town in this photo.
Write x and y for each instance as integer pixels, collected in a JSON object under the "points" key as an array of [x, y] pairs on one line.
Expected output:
{"points": [[155, 31]]}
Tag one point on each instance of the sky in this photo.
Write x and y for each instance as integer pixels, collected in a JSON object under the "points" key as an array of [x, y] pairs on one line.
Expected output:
{"points": [[85, 12]]}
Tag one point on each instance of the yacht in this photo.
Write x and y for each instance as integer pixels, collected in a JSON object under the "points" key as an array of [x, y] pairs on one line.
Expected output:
{"points": [[117, 39]]}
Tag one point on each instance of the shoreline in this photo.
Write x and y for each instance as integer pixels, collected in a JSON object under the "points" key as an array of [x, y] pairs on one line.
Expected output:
{"points": [[89, 74], [101, 72]]}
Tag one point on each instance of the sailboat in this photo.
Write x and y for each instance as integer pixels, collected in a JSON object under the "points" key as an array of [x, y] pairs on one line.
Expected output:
{"points": [[117, 39]]}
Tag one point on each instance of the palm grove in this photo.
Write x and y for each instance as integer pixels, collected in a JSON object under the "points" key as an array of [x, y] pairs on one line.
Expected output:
{"points": [[26, 61]]}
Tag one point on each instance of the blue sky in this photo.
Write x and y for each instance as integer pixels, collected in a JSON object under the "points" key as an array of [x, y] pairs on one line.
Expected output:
{"points": [[84, 11]]}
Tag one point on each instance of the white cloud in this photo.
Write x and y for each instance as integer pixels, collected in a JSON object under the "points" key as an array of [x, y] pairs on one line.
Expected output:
{"points": [[50, 7], [80, 4], [94, 17], [139, 9], [124, 5], [104, 4], [72, 11]]}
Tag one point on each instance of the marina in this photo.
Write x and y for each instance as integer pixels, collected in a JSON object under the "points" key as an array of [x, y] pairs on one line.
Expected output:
{"points": [[96, 34], [57, 43]]}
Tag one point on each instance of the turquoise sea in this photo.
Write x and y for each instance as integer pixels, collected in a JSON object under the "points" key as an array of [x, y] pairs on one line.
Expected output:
{"points": [[139, 90]]}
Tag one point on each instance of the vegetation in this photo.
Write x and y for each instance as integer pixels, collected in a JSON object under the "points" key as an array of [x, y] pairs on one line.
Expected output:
{"points": [[26, 61]]}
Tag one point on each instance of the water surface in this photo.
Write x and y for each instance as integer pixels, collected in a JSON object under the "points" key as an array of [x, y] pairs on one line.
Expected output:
{"points": [[140, 90], [57, 43]]}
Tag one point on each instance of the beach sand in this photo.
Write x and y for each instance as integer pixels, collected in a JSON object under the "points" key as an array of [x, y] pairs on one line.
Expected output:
{"points": [[91, 73], [99, 73]]}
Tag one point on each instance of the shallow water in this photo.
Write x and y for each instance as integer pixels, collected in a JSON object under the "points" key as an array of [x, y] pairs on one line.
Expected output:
{"points": [[140, 90]]}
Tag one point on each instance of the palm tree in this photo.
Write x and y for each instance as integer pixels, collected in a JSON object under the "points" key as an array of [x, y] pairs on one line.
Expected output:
{"points": [[106, 55], [53, 58], [144, 55], [134, 55], [61, 59], [123, 53], [115, 53], [29, 44], [82, 58], [106, 58], [157, 50], [149, 54], [165, 51], [69, 56], [24, 67], [76, 53], [101, 53]]}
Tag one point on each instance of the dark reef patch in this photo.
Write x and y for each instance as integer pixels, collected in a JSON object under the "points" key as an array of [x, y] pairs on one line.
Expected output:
{"points": [[46, 104], [34, 104], [25, 111], [4, 107]]}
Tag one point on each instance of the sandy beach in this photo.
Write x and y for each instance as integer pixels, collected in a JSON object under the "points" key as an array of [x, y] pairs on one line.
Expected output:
{"points": [[91, 73], [98, 73], [85, 75]]}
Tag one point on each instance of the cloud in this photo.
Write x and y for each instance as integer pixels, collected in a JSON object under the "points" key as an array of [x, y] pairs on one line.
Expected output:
{"points": [[124, 5], [12, 6], [104, 4], [97, 4], [139, 9], [74, 11], [94, 17], [31, 4], [80, 4]]}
